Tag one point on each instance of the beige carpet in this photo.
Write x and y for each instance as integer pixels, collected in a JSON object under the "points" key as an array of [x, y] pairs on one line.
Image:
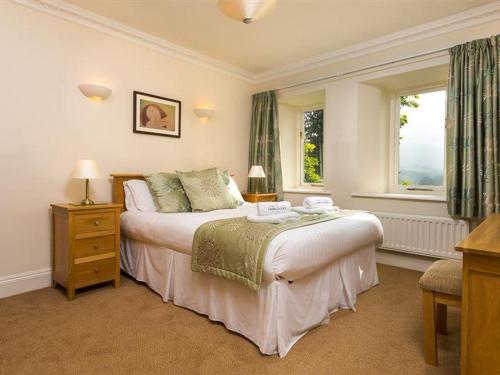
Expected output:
{"points": [[131, 331]]}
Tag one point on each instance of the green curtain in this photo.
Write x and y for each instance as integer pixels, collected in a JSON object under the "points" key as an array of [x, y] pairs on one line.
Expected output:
{"points": [[265, 143], [473, 164]]}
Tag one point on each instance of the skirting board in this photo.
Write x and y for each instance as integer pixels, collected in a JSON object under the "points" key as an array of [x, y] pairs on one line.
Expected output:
{"points": [[24, 282], [404, 260]]}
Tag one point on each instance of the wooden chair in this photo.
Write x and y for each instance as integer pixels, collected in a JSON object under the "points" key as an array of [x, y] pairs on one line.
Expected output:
{"points": [[441, 287]]}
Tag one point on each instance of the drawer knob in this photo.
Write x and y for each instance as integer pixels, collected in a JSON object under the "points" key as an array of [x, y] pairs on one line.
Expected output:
{"points": [[96, 223], [96, 270], [96, 247]]}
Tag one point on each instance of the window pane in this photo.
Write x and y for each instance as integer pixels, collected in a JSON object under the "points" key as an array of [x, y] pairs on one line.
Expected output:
{"points": [[313, 146], [421, 142]]}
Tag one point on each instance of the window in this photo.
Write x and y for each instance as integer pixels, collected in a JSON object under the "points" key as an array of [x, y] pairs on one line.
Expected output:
{"points": [[419, 135], [311, 138]]}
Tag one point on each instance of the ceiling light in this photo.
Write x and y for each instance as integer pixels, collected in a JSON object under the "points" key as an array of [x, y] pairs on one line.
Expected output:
{"points": [[246, 11]]}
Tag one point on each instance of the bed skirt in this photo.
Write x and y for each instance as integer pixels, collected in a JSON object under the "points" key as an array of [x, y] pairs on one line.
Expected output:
{"points": [[276, 317]]}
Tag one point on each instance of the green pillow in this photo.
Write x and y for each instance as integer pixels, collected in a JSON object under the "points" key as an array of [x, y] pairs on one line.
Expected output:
{"points": [[232, 188], [167, 192], [206, 190]]}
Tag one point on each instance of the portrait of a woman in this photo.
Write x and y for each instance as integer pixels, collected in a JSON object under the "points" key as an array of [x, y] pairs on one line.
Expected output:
{"points": [[152, 116]]}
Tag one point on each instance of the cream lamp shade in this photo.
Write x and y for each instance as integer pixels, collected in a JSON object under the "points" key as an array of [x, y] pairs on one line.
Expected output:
{"points": [[246, 11], [204, 113], [86, 170], [256, 171], [95, 92]]}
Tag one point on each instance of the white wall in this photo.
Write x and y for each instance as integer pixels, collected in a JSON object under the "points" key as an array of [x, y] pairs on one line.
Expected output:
{"points": [[373, 139], [47, 124], [288, 120]]}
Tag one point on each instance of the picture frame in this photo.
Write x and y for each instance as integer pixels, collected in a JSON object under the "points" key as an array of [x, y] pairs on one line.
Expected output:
{"points": [[156, 115]]}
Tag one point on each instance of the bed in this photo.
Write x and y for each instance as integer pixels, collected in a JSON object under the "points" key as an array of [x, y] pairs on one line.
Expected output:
{"points": [[309, 272]]}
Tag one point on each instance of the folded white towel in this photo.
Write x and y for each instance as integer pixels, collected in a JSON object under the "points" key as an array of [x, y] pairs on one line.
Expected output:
{"points": [[315, 202], [274, 219], [273, 208], [319, 210]]}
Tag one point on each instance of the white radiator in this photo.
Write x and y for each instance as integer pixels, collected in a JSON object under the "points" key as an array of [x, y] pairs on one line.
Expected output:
{"points": [[423, 235]]}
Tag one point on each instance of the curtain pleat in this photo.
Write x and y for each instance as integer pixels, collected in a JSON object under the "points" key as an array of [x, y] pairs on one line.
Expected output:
{"points": [[473, 164], [265, 142]]}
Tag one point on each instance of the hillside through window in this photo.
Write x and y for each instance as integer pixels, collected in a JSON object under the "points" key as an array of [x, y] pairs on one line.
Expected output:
{"points": [[422, 140]]}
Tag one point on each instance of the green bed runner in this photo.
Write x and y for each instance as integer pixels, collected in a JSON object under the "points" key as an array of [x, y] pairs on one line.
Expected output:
{"points": [[235, 248]]}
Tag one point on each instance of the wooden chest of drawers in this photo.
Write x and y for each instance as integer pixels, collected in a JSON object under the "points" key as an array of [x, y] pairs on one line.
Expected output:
{"points": [[86, 245], [480, 336]]}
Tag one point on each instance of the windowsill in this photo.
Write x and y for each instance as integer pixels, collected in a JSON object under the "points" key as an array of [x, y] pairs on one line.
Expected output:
{"points": [[399, 196], [307, 190]]}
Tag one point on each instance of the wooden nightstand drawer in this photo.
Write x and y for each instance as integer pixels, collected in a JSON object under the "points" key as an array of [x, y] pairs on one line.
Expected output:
{"points": [[94, 246], [98, 222], [89, 273]]}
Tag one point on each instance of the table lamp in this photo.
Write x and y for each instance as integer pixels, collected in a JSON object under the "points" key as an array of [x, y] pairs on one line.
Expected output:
{"points": [[256, 171], [86, 170]]}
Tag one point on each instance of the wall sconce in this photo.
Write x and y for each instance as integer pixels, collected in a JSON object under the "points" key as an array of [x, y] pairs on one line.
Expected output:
{"points": [[95, 92], [204, 113]]}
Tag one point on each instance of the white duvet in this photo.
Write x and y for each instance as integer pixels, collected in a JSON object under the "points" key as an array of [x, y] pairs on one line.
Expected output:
{"points": [[291, 255]]}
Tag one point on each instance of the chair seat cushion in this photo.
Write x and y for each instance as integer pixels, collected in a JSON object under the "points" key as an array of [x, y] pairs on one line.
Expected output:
{"points": [[444, 276]]}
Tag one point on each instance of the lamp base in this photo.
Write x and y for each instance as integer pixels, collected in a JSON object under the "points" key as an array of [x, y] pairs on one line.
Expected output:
{"points": [[87, 202], [80, 204]]}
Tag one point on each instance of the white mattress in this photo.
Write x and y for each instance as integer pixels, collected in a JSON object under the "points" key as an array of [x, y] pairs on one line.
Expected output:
{"points": [[291, 255]]}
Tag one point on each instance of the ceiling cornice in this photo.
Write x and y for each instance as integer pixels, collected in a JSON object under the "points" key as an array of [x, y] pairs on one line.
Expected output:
{"points": [[468, 18], [106, 25]]}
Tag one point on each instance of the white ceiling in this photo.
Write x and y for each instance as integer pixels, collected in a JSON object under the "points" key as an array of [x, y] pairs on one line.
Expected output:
{"points": [[296, 30]]}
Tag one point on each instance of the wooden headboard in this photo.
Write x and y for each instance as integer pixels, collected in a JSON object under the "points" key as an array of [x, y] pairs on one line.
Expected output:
{"points": [[118, 193]]}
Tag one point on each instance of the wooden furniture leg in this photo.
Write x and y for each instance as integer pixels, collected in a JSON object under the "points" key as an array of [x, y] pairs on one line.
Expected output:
{"points": [[441, 318], [70, 293], [430, 339]]}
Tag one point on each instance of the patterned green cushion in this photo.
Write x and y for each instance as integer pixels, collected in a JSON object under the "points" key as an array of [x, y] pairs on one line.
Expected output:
{"points": [[206, 190], [232, 188], [167, 192]]}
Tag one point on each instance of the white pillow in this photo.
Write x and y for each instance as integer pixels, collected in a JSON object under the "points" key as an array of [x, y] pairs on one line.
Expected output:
{"points": [[232, 188], [140, 197], [129, 200]]}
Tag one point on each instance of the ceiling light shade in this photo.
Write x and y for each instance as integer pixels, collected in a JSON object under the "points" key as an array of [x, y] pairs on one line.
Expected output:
{"points": [[246, 11], [95, 92], [204, 113]]}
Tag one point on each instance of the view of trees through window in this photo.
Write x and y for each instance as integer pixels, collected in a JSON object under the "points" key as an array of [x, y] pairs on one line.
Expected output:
{"points": [[313, 146], [421, 139]]}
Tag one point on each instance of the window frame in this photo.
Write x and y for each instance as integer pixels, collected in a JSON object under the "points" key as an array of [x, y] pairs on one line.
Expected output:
{"points": [[394, 185], [300, 154]]}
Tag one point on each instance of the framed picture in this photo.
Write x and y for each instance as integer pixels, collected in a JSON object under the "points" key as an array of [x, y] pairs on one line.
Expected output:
{"points": [[156, 115]]}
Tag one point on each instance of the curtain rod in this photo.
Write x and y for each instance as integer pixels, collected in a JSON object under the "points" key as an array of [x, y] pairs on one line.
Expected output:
{"points": [[337, 75]]}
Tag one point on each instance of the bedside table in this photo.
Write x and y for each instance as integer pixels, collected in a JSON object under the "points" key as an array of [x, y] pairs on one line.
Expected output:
{"points": [[259, 197], [86, 245]]}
